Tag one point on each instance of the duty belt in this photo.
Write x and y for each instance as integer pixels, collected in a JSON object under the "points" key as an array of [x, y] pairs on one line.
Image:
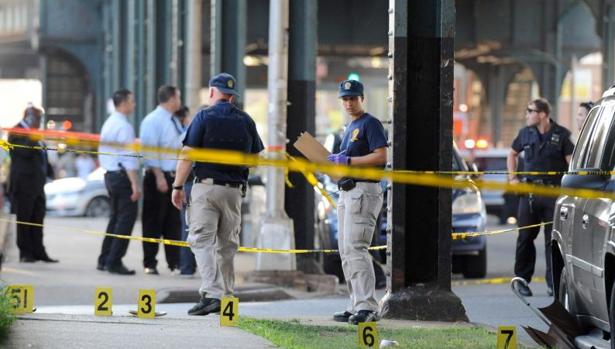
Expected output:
{"points": [[212, 181]]}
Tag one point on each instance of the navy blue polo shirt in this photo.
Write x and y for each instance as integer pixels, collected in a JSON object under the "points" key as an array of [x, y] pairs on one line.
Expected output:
{"points": [[223, 126], [544, 152], [363, 136]]}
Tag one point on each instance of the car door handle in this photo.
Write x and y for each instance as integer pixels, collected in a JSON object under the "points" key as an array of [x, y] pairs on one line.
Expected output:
{"points": [[563, 213], [585, 220]]}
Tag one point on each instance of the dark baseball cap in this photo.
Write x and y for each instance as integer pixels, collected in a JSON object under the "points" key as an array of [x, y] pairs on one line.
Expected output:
{"points": [[224, 82], [350, 88]]}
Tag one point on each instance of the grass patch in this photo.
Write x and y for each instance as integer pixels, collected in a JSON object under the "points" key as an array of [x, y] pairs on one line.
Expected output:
{"points": [[6, 316], [293, 335]]}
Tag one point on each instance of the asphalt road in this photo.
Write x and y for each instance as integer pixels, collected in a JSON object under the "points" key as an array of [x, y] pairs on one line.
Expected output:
{"points": [[68, 287]]}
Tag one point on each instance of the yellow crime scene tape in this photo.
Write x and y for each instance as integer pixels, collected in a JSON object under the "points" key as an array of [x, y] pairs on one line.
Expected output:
{"points": [[174, 242], [419, 178], [468, 235], [454, 236], [491, 281]]}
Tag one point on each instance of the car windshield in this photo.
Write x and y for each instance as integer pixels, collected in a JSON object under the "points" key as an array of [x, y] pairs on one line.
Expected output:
{"points": [[491, 164]]}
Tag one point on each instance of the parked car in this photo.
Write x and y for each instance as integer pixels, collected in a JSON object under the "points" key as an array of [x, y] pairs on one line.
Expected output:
{"points": [[469, 215], [583, 239], [499, 203], [74, 196]]}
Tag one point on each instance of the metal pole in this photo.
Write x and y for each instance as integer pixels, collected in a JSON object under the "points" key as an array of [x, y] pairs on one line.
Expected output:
{"points": [[277, 77], [193, 55], [277, 228], [573, 96]]}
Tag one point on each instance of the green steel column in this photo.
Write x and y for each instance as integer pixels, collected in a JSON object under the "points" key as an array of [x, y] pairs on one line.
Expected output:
{"points": [[116, 80], [228, 40], [150, 53], [301, 116]]}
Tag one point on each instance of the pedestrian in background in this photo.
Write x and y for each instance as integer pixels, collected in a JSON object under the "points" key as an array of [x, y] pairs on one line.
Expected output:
{"points": [[121, 181], [29, 171], [582, 112], [364, 144], [161, 129], [187, 263], [214, 211], [546, 146], [85, 165]]}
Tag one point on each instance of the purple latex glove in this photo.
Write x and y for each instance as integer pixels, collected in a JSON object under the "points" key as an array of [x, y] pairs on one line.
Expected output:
{"points": [[339, 159]]}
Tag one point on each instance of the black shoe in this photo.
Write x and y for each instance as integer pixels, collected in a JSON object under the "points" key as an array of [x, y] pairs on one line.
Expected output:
{"points": [[549, 291], [47, 259], [121, 270], [363, 316], [101, 267], [205, 306], [524, 290], [27, 260], [151, 271], [342, 316]]}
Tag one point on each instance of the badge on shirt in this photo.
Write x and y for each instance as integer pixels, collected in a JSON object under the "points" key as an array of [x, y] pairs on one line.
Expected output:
{"points": [[355, 135], [555, 138]]}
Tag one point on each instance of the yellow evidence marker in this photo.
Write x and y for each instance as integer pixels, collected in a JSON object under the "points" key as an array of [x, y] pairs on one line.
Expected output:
{"points": [[368, 335], [229, 313], [507, 337], [103, 302], [146, 305], [22, 298]]}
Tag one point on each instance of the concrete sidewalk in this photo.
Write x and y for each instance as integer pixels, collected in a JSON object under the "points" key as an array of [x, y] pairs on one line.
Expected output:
{"points": [[86, 331], [64, 296]]}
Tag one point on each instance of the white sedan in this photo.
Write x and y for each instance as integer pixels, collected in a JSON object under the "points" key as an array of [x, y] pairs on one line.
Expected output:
{"points": [[74, 196]]}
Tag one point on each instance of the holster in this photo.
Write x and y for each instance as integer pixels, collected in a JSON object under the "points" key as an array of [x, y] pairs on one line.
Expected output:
{"points": [[346, 184]]}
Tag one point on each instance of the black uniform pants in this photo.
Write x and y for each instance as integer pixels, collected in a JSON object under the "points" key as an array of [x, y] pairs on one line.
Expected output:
{"points": [[159, 219], [30, 208], [533, 210], [122, 220]]}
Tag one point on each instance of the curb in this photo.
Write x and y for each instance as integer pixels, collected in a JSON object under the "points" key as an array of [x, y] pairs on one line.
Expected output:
{"points": [[248, 293]]}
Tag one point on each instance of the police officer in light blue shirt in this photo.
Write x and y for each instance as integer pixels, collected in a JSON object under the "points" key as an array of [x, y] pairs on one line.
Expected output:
{"points": [[121, 182], [160, 129], [364, 144]]}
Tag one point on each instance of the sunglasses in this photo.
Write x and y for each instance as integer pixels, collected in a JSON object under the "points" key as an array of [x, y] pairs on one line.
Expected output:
{"points": [[529, 110]]}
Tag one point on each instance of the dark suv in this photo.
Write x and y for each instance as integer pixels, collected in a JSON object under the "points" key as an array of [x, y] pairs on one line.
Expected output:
{"points": [[584, 229]]}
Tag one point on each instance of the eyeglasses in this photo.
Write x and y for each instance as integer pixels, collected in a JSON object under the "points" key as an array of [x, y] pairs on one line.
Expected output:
{"points": [[530, 111]]}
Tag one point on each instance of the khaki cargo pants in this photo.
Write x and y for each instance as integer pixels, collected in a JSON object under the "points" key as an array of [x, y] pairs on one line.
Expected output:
{"points": [[214, 217], [357, 211]]}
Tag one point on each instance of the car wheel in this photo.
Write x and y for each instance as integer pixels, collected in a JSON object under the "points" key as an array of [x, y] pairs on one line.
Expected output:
{"points": [[98, 207], [612, 316], [564, 293], [475, 267]]}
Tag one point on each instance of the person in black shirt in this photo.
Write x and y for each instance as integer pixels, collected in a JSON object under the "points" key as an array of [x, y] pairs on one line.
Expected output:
{"points": [[546, 146]]}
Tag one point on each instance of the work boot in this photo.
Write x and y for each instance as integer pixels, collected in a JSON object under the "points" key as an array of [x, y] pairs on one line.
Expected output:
{"points": [[205, 306], [524, 290], [342, 316], [151, 271], [363, 316], [120, 269]]}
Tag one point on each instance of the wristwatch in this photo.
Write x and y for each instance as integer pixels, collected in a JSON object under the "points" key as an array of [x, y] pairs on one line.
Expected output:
{"points": [[178, 187]]}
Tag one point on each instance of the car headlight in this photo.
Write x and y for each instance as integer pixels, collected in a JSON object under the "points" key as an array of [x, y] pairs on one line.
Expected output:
{"points": [[470, 202]]}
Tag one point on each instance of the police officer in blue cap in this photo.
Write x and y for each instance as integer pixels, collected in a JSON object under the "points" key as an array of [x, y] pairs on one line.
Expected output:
{"points": [[364, 144], [214, 210]]}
